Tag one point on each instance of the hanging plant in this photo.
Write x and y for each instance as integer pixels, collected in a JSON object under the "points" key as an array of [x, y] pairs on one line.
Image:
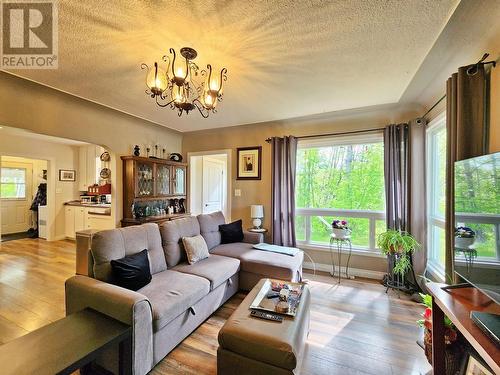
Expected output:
{"points": [[399, 244]]}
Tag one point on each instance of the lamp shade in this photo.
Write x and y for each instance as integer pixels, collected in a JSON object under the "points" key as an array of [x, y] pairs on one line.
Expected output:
{"points": [[257, 211]]}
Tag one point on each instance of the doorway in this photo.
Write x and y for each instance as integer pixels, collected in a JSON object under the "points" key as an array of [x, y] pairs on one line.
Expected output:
{"points": [[209, 182], [21, 180]]}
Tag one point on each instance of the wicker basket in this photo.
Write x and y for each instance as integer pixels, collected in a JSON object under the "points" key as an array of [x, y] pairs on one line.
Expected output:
{"points": [[452, 355]]}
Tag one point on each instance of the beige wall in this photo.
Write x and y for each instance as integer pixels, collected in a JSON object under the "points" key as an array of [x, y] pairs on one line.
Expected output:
{"points": [[59, 156], [40, 109], [259, 192]]}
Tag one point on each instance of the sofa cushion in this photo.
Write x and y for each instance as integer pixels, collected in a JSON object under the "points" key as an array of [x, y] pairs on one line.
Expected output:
{"points": [[232, 232], [260, 262], [216, 269], [118, 243], [171, 293], [171, 237], [209, 228], [131, 272], [196, 248]]}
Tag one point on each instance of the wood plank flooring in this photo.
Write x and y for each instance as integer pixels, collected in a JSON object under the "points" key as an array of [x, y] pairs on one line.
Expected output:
{"points": [[355, 327]]}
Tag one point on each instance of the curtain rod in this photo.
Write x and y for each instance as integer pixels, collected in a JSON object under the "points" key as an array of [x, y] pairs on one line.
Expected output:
{"points": [[434, 106], [268, 140]]}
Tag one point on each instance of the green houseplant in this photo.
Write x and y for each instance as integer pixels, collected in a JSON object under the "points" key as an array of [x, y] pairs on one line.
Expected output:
{"points": [[400, 245]]}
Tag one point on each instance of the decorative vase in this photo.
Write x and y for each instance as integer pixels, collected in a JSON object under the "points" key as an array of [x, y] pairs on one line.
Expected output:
{"points": [[464, 242], [340, 233]]}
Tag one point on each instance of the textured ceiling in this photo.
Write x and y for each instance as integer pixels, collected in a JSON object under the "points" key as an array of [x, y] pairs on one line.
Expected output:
{"points": [[285, 58]]}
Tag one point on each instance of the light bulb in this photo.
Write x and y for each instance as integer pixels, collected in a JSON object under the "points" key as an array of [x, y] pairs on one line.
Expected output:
{"points": [[179, 95]]}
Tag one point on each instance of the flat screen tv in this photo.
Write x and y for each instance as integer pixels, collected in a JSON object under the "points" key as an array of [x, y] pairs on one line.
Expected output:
{"points": [[477, 223]]}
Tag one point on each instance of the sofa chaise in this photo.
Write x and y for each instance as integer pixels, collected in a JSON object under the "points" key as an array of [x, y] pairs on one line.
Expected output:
{"points": [[180, 295]]}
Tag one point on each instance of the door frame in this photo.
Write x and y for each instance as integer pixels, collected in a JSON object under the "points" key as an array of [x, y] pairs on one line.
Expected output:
{"points": [[228, 171], [51, 190]]}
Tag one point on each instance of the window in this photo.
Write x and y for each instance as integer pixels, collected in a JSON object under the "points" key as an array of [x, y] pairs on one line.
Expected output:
{"points": [[340, 178], [13, 183], [436, 193]]}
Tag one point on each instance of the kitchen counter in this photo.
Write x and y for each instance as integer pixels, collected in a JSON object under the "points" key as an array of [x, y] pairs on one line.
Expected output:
{"points": [[78, 203]]}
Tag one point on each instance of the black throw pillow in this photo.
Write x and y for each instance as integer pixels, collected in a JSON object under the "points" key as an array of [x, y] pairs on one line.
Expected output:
{"points": [[232, 232], [132, 272]]}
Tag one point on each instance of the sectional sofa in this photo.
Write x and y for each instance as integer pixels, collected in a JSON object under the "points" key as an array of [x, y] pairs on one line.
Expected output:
{"points": [[181, 295]]}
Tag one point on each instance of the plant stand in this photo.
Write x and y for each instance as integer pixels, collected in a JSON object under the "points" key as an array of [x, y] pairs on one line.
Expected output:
{"points": [[394, 280], [339, 243]]}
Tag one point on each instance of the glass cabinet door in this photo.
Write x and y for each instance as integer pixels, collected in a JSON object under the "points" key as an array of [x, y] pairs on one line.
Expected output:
{"points": [[180, 180], [162, 179], [145, 179]]}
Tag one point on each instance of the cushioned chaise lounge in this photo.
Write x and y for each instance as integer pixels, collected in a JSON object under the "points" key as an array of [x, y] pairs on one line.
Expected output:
{"points": [[180, 295]]}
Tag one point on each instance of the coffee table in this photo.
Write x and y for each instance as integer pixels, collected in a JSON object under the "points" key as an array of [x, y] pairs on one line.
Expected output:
{"points": [[67, 345]]}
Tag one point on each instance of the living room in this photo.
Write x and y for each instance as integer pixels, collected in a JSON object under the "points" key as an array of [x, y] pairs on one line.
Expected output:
{"points": [[329, 129]]}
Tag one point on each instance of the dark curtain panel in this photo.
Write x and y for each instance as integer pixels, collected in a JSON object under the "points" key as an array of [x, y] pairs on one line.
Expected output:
{"points": [[417, 192], [466, 103], [396, 174], [284, 155]]}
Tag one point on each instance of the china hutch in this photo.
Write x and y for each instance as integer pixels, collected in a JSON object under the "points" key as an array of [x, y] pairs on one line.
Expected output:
{"points": [[154, 190]]}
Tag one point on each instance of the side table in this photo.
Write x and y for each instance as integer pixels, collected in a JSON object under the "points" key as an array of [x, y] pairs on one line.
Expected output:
{"points": [[261, 230], [339, 243]]}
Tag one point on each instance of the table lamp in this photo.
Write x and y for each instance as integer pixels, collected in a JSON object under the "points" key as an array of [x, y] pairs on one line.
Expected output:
{"points": [[257, 213]]}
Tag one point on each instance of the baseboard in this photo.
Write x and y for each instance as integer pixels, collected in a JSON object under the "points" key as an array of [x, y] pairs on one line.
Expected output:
{"points": [[369, 274]]}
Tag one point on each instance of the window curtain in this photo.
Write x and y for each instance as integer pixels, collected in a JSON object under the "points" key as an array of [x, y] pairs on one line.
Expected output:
{"points": [[466, 128], [396, 156], [284, 156], [404, 173]]}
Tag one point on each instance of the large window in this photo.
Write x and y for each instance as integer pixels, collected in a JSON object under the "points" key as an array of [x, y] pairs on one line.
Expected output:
{"points": [[340, 178], [13, 183], [436, 193]]}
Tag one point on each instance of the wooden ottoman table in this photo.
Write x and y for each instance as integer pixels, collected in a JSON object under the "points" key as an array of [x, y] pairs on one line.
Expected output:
{"points": [[253, 346]]}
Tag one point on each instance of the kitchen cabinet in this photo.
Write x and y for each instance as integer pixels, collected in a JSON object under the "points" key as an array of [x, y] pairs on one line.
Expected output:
{"points": [[78, 218], [90, 166]]}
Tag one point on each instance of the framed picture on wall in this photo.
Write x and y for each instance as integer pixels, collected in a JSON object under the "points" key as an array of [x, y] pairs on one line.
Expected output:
{"points": [[249, 163], [67, 175]]}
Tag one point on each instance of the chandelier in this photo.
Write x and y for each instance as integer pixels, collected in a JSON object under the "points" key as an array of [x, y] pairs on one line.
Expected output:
{"points": [[176, 86]]}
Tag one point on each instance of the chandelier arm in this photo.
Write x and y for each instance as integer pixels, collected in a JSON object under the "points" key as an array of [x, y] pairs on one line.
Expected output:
{"points": [[172, 51], [223, 78], [197, 104], [209, 78], [187, 69], [166, 59], [144, 66], [161, 104]]}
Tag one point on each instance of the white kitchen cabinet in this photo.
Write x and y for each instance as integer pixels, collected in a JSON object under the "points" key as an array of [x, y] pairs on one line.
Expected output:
{"points": [[90, 166], [79, 218], [69, 221]]}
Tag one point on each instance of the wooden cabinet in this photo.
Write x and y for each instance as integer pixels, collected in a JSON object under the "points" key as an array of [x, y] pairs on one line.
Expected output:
{"points": [[150, 187]]}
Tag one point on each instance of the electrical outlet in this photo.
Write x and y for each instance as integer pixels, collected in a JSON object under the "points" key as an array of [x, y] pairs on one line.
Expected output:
{"points": [[237, 192]]}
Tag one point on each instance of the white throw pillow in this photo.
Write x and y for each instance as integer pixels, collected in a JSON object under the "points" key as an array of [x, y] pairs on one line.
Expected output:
{"points": [[196, 248]]}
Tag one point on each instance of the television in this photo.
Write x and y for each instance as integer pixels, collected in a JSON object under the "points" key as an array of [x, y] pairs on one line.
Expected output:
{"points": [[477, 231]]}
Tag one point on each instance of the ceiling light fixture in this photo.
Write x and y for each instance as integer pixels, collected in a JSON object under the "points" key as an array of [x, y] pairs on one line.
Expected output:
{"points": [[176, 86]]}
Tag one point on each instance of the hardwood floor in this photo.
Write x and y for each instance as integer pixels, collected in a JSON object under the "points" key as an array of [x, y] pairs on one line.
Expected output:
{"points": [[355, 327]]}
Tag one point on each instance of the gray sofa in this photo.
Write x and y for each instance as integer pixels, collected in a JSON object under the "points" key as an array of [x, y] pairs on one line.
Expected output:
{"points": [[180, 296]]}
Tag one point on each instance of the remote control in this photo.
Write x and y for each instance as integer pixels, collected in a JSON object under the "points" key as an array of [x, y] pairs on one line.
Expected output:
{"points": [[266, 315]]}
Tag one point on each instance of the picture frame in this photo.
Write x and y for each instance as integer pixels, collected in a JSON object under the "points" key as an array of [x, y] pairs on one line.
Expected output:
{"points": [[249, 163], [68, 175], [473, 365]]}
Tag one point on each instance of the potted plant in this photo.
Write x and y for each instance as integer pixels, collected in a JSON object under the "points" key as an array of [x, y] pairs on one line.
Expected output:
{"points": [[340, 228], [400, 246], [454, 347], [464, 237]]}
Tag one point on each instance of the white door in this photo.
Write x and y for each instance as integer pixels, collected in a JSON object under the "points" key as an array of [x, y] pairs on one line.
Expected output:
{"points": [[213, 185], [16, 196]]}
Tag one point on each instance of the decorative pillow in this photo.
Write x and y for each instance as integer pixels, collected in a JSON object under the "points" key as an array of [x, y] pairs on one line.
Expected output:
{"points": [[132, 272], [232, 232], [196, 248]]}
